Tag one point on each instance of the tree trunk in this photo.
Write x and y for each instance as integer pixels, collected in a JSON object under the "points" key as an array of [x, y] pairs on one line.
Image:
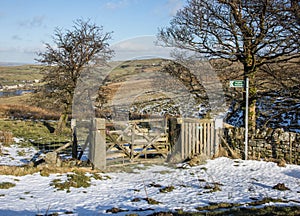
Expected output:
{"points": [[252, 103], [61, 125], [252, 116], [250, 72]]}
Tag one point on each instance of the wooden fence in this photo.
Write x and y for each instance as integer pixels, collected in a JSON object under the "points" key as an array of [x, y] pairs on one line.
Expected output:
{"points": [[109, 142]]}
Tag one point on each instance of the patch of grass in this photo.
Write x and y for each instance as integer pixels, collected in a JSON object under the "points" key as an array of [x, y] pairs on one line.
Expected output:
{"points": [[98, 176], [204, 169], [235, 211], [214, 206], [222, 208], [152, 201], [6, 185], [77, 179], [21, 153], [167, 189], [267, 200], [35, 133], [214, 187]]}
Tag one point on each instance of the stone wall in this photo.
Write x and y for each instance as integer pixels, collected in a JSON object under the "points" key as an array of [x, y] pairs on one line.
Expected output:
{"points": [[267, 144]]}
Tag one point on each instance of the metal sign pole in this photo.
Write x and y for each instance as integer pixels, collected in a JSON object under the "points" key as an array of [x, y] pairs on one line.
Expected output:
{"points": [[246, 118]]}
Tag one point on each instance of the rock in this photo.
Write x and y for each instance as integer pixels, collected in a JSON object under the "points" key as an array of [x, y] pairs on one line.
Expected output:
{"points": [[115, 210], [51, 158], [197, 160], [281, 187], [281, 163], [162, 214]]}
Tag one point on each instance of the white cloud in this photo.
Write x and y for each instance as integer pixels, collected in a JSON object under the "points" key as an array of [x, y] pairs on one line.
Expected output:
{"points": [[112, 5], [139, 47], [36, 21]]}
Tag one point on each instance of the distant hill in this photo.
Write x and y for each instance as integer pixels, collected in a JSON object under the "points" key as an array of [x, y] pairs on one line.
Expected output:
{"points": [[13, 63]]}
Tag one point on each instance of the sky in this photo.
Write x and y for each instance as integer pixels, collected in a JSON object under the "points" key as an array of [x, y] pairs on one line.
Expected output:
{"points": [[27, 24]]}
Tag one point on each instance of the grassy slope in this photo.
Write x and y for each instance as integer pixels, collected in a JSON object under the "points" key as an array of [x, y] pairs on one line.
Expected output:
{"points": [[22, 99], [13, 75]]}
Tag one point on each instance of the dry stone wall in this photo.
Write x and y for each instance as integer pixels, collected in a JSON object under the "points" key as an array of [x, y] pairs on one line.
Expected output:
{"points": [[266, 144]]}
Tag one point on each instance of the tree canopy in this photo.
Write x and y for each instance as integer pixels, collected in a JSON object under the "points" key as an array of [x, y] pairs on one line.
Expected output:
{"points": [[254, 33], [65, 59]]}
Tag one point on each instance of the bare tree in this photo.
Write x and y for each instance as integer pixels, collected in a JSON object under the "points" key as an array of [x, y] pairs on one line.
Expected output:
{"points": [[252, 32], [72, 51]]}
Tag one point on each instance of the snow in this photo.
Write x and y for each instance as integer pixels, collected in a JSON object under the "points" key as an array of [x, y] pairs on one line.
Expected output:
{"points": [[16, 155], [240, 181]]}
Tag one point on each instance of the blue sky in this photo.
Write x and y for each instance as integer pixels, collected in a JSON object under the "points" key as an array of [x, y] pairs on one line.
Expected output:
{"points": [[27, 24]]}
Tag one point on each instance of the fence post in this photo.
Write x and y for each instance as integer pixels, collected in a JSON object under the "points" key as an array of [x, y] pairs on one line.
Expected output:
{"points": [[74, 139], [173, 134], [98, 144], [182, 139], [218, 129], [132, 141]]}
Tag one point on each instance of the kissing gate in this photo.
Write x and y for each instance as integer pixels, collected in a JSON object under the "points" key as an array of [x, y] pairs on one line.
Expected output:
{"points": [[135, 140]]}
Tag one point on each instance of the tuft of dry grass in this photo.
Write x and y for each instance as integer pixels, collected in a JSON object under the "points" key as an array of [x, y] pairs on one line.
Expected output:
{"points": [[26, 112], [6, 138], [45, 171]]}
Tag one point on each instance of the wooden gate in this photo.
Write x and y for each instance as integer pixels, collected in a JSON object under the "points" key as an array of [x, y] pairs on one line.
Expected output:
{"points": [[110, 142], [198, 136], [137, 139]]}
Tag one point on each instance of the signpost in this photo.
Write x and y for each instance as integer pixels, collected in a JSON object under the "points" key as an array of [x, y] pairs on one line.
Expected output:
{"points": [[246, 118], [237, 83], [241, 84]]}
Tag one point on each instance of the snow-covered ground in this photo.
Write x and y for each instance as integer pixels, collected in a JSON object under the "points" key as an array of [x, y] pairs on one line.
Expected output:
{"points": [[239, 181], [16, 156]]}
